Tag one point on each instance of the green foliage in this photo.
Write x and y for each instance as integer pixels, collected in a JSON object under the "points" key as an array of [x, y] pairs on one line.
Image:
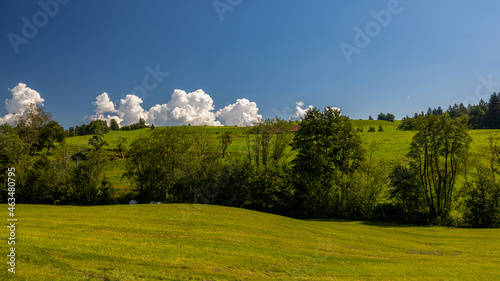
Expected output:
{"points": [[97, 140], [12, 148], [105, 192], [484, 115], [268, 141], [156, 161], [436, 149], [224, 141], [407, 196], [50, 134], [84, 188], [372, 129], [114, 125], [92, 128], [407, 124], [325, 142], [492, 118], [136, 126], [87, 187], [481, 204], [327, 145], [272, 189], [380, 129], [120, 144], [30, 125], [386, 117]]}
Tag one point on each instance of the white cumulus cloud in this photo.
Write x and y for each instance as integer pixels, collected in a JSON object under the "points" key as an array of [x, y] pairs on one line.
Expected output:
{"points": [[103, 104], [241, 113], [22, 97], [158, 115], [195, 108], [130, 110], [299, 111]]}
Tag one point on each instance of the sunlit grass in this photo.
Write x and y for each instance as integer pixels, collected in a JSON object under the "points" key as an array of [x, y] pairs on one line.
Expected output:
{"points": [[200, 242]]}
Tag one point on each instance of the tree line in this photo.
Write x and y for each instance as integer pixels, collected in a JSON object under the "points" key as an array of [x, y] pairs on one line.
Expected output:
{"points": [[323, 171], [484, 115], [102, 126]]}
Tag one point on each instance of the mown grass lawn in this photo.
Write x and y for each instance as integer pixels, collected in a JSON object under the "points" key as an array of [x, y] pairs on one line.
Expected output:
{"points": [[200, 242]]}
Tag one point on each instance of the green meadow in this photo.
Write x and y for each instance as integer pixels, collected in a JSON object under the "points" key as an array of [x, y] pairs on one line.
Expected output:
{"points": [[390, 145], [202, 242]]}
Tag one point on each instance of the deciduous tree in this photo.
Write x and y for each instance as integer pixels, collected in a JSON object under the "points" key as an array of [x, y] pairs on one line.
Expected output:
{"points": [[435, 151]]}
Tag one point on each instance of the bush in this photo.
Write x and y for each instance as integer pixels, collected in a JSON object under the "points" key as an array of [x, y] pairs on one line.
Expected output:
{"points": [[481, 202], [372, 129], [380, 129], [406, 195]]}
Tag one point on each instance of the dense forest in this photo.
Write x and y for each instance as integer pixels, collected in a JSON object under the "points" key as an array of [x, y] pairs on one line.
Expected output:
{"points": [[332, 174], [485, 115]]}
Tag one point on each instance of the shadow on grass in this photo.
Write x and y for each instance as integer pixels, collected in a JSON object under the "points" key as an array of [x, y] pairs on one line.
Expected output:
{"points": [[391, 224], [370, 223]]}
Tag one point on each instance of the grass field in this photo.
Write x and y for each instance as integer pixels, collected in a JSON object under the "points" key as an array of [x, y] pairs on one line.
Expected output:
{"points": [[201, 242]]}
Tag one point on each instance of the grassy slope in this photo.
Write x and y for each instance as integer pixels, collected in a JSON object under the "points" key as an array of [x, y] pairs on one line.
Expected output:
{"points": [[391, 143], [200, 242]]}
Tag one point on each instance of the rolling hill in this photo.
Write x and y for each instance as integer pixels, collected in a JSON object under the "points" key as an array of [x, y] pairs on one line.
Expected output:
{"points": [[202, 242]]}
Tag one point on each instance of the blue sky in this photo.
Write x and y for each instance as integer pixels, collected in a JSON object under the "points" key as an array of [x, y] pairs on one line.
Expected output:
{"points": [[273, 53]]}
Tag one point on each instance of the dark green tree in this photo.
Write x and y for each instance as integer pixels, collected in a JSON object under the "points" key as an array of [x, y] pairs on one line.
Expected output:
{"points": [[224, 142], [327, 144], [105, 192], [157, 161], [435, 151], [406, 193], [390, 117], [481, 204], [493, 114], [120, 144], [114, 125], [31, 124], [50, 134], [381, 116], [97, 140], [477, 117]]}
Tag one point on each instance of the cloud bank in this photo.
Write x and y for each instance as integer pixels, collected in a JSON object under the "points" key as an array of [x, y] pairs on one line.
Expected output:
{"points": [[22, 97], [195, 108]]}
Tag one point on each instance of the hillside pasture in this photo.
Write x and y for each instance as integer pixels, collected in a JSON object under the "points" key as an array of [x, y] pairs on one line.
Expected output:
{"points": [[202, 242]]}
